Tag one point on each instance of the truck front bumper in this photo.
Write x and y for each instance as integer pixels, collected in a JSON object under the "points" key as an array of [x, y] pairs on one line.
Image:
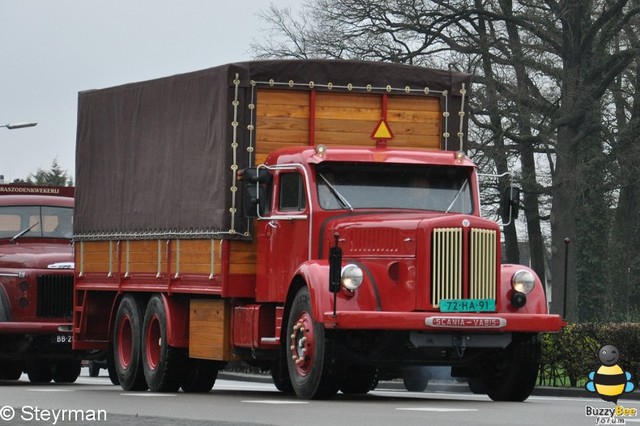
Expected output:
{"points": [[435, 321]]}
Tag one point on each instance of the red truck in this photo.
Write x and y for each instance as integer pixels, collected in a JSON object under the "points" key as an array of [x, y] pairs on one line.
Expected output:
{"points": [[318, 219], [36, 283]]}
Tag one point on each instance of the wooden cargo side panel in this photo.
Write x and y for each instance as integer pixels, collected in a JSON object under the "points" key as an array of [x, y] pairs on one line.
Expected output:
{"points": [[163, 257], [343, 118], [209, 329]]}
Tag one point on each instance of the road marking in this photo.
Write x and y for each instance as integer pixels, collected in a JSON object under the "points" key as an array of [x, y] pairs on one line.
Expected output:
{"points": [[272, 401], [148, 394], [51, 390], [439, 410]]}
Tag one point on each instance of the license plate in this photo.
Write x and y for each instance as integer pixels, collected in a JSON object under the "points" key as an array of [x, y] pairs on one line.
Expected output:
{"points": [[61, 338], [467, 305]]}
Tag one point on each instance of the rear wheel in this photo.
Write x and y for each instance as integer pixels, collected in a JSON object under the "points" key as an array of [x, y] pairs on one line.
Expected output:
{"points": [[111, 368], [309, 360], [162, 364], [127, 345], [66, 371], [511, 374], [200, 375]]}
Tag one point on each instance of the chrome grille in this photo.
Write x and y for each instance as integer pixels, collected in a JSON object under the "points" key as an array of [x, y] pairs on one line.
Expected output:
{"points": [[447, 264], [55, 296]]}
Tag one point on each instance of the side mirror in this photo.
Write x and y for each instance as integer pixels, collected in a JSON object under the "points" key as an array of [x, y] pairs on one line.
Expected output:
{"points": [[510, 204], [254, 194]]}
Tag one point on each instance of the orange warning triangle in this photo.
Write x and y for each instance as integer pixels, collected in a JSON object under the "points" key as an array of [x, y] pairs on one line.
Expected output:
{"points": [[382, 130]]}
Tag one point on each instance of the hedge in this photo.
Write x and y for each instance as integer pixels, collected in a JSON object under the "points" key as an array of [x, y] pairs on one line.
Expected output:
{"points": [[569, 356]]}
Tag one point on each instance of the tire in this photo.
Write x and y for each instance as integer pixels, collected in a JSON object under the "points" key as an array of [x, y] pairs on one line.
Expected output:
{"points": [[39, 372], [511, 374], [94, 369], [415, 383], [10, 370], [280, 375], [416, 378], [66, 371], [127, 345], [359, 380], [200, 375], [111, 368], [309, 352], [476, 385], [163, 365]]}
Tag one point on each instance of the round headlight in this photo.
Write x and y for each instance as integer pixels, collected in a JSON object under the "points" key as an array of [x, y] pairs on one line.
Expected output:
{"points": [[351, 277], [523, 281]]}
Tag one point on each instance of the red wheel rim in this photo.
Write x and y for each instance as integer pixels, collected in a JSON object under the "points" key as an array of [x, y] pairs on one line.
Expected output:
{"points": [[125, 342], [153, 342], [303, 344]]}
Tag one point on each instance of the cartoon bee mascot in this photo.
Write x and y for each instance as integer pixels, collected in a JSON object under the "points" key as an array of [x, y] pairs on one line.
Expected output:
{"points": [[610, 381]]}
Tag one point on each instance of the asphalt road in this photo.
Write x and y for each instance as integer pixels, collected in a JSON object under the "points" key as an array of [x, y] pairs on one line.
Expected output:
{"points": [[93, 401]]}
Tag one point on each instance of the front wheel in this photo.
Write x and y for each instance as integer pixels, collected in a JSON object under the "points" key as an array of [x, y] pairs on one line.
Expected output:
{"points": [[280, 375], [40, 371], [10, 370], [510, 375], [309, 352]]}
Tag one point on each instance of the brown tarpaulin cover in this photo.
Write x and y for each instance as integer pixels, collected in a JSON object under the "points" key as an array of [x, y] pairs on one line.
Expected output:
{"points": [[153, 159]]}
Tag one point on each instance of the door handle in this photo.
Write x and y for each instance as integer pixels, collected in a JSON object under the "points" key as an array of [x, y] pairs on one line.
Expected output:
{"points": [[273, 224]]}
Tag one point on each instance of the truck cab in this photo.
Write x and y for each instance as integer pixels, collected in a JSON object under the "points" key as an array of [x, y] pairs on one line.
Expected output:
{"points": [[389, 264], [36, 283]]}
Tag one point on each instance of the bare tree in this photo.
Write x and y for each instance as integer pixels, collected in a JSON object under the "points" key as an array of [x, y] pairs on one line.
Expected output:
{"points": [[543, 69]]}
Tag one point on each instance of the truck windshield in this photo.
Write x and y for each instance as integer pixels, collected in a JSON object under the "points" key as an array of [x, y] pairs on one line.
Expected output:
{"points": [[36, 222], [394, 186]]}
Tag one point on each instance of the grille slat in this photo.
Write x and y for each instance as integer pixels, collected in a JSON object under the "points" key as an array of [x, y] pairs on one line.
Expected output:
{"points": [[447, 260], [482, 276], [55, 296], [447, 264]]}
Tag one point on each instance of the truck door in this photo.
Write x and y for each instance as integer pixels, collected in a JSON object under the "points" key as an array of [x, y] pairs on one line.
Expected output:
{"points": [[283, 236]]}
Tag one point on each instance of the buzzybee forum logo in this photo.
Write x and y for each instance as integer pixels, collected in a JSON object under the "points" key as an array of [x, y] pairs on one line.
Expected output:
{"points": [[610, 380]]}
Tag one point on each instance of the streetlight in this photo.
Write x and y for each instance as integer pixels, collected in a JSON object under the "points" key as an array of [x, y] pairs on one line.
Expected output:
{"points": [[12, 126]]}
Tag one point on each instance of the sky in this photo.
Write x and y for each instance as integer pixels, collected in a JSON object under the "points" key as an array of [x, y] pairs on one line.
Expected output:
{"points": [[52, 49]]}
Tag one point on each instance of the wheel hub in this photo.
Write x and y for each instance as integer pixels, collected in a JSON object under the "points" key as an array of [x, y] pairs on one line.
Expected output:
{"points": [[302, 344]]}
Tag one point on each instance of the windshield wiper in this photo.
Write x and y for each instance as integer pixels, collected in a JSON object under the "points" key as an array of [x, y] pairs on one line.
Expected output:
{"points": [[21, 233], [464, 185], [335, 192]]}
